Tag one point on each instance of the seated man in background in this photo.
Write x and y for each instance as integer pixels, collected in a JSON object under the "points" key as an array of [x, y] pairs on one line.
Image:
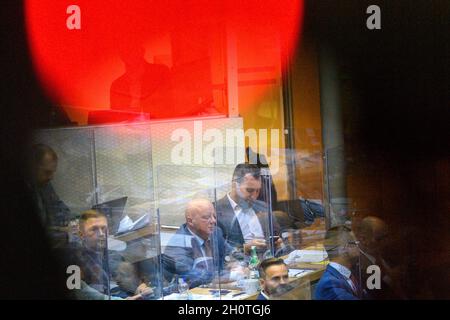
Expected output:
{"points": [[197, 251], [43, 164], [273, 278], [94, 259], [92, 256], [243, 218], [340, 279]]}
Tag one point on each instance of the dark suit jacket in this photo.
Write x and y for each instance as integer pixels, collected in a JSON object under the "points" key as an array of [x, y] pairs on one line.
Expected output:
{"points": [[228, 222], [183, 256], [96, 266], [334, 286], [53, 211]]}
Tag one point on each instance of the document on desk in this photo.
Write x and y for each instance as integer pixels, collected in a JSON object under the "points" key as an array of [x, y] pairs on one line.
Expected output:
{"points": [[195, 296], [126, 224], [296, 273], [116, 245], [192, 296], [306, 256]]}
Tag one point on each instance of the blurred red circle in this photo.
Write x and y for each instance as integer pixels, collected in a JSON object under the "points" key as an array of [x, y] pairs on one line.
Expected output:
{"points": [[83, 68]]}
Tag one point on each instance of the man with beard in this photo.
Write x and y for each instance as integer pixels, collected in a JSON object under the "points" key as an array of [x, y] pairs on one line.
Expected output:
{"points": [[340, 279], [376, 243], [94, 260], [273, 278], [242, 218], [92, 256]]}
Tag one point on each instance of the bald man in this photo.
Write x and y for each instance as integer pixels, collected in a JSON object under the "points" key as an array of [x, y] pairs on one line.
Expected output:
{"points": [[372, 234], [197, 251]]}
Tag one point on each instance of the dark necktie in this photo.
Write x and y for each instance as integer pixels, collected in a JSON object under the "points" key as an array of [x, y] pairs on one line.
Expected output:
{"points": [[207, 248], [209, 254]]}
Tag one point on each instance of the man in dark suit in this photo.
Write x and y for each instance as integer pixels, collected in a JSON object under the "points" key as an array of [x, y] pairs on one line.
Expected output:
{"points": [[43, 164], [243, 219], [273, 278], [197, 251], [340, 280]]}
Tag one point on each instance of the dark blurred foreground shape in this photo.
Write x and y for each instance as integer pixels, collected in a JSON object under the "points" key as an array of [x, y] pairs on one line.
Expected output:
{"points": [[27, 268], [396, 84]]}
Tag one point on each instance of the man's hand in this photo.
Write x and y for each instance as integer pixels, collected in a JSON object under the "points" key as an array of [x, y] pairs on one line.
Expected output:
{"points": [[278, 243], [144, 290], [258, 243], [241, 271], [141, 291]]}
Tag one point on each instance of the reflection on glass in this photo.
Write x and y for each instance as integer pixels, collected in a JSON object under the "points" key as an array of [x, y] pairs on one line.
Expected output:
{"points": [[219, 225], [53, 212], [144, 87]]}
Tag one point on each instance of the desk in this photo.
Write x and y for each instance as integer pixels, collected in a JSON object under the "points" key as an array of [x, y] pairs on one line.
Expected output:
{"points": [[313, 237], [201, 293], [137, 234], [301, 291], [301, 284]]}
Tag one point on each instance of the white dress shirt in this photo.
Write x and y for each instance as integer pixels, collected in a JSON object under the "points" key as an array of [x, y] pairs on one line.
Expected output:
{"points": [[265, 295], [248, 221], [345, 272]]}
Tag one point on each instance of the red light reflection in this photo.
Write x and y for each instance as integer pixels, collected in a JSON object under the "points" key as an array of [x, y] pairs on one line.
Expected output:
{"points": [[164, 58]]}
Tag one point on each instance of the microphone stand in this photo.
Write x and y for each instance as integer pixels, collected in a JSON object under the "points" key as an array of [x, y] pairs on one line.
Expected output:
{"points": [[266, 177]]}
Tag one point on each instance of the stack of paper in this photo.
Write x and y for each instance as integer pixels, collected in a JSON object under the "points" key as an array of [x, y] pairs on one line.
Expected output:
{"points": [[306, 256]]}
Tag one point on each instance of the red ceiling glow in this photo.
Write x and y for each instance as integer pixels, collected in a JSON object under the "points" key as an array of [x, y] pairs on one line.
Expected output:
{"points": [[78, 67]]}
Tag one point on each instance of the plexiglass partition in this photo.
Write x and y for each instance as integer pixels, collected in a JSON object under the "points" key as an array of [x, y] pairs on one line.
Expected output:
{"points": [[226, 229], [110, 231], [138, 226], [198, 260]]}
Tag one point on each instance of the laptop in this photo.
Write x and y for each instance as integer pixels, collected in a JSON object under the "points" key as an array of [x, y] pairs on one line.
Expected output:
{"points": [[114, 212]]}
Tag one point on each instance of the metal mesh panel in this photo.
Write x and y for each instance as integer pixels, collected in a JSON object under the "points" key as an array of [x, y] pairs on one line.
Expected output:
{"points": [[124, 166], [177, 184], [163, 143]]}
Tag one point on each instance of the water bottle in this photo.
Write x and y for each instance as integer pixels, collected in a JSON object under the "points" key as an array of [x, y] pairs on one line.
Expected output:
{"points": [[253, 264], [183, 289]]}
